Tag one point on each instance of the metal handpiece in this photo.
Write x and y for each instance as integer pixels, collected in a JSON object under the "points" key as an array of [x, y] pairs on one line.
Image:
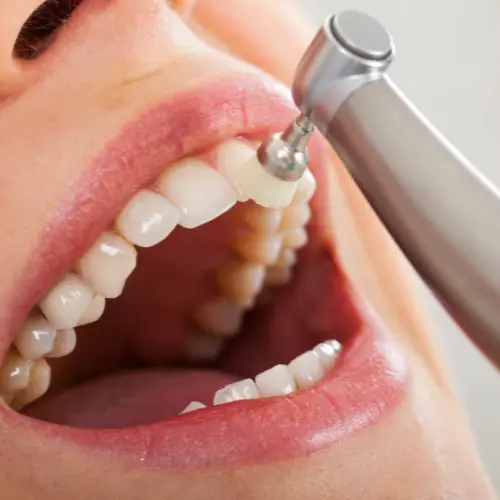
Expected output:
{"points": [[442, 213]]}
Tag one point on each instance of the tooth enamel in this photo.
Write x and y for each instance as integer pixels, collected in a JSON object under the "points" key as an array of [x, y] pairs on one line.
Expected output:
{"points": [[327, 352], [147, 219], [306, 369], [198, 190], [64, 344], [194, 405], [263, 249], [295, 238], [276, 381], [66, 302], [201, 348], [230, 156], [305, 188], [108, 264], [263, 220], [297, 215], [35, 338], [219, 316], [278, 276], [241, 281], [93, 312], [15, 373], [262, 187], [39, 382], [286, 258], [244, 389]]}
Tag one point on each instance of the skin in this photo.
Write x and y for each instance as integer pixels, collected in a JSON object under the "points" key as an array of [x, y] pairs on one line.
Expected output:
{"points": [[138, 54]]}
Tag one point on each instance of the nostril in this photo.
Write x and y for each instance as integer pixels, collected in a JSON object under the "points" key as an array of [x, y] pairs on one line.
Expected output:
{"points": [[39, 30]]}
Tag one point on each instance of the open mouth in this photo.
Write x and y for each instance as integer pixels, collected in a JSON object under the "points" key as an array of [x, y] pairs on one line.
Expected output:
{"points": [[218, 328]]}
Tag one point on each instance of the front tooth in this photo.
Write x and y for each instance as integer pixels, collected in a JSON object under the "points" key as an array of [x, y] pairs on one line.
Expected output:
{"points": [[147, 219], [295, 238], [66, 302], [306, 369], [327, 352], [263, 249], [64, 344], [194, 405], [198, 191], [93, 312], [230, 156], [219, 316], [108, 264], [39, 383], [277, 381], [305, 188], [263, 220], [15, 373], [35, 338], [297, 215], [244, 389]]}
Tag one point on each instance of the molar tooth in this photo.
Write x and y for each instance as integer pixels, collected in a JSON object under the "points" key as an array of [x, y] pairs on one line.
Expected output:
{"points": [[64, 344], [194, 405], [306, 369], [35, 338], [327, 352], [39, 383], [263, 249], [108, 264], [263, 220], [295, 238], [219, 316], [201, 348], [198, 190], [147, 219], [93, 312], [278, 276], [277, 381], [66, 302], [297, 215], [14, 373], [305, 188], [244, 389], [286, 258]]}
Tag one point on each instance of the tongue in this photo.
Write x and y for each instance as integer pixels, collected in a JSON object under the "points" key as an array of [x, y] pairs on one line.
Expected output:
{"points": [[129, 398]]}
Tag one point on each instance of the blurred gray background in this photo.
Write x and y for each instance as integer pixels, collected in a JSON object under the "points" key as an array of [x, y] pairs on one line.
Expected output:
{"points": [[448, 63]]}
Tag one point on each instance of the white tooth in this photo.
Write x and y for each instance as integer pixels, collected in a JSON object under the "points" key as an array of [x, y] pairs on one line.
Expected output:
{"points": [[202, 348], [286, 258], [263, 249], [327, 352], [147, 219], [244, 389], [276, 381], [297, 215], [262, 187], [35, 338], [66, 302], [230, 156], [194, 405], [64, 344], [305, 188], [219, 316], [93, 312], [278, 276], [14, 373], [198, 190], [108, 264], [263, 220], [295, 238], [306, 369], [38, 385]]}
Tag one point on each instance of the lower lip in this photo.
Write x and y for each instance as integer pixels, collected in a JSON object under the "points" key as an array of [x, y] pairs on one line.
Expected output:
{"points": [[370, 379]]}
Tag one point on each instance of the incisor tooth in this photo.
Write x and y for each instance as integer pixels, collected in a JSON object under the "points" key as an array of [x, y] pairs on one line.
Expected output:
{"points": [[14, 373], [39, 383], [198, 191], [306, 369], [65, 343], [93, 312], [147, 219], [263, 220], [305, 188], [263, 249], [295, 238], [276, 381], [194, 405], [297, 215], [35, 338], [108, 264], [66, 302], [219, 316], [244, 389]]}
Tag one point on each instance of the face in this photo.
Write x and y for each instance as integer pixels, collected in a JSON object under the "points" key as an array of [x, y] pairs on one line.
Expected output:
{"points": [[138, 279]]}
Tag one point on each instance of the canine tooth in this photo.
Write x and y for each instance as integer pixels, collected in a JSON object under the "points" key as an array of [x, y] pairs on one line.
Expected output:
{"points": [[108, 264], [93, 312], [201, 348], [276, 381], [286, 258], [39, 383], [35, 338], [241, 281], [198, 190], [64, 344], [263, 220], [147, 219], [15, 373], [327, 352], [244, 389], [295, 238], [306, 369], [297, 215], [262, 187], [230, 156], [194, 405], [66, 302], [305, 188], [278, 276], [263, 249], [219, 316]]}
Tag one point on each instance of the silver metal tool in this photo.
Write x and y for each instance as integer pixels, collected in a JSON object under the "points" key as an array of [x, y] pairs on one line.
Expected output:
{"points": [[441, 212]]}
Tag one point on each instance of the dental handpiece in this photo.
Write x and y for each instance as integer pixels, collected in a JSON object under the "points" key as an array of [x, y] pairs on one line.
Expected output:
{"points": [[438, 208]]}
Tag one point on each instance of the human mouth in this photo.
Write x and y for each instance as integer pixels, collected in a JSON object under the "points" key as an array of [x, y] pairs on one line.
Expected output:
{"points": [[233, 307]]}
